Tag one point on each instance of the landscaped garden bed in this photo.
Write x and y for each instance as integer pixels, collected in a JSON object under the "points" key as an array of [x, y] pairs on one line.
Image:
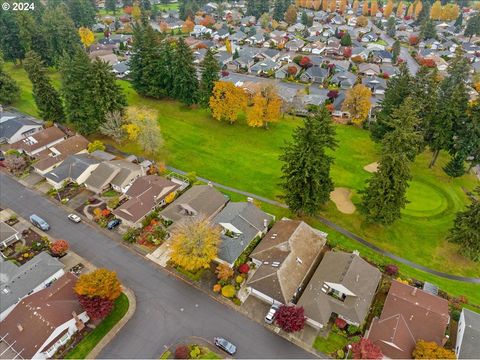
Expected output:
{"points": [[65, 193], [335, 343], [191, 351], [91, 201], [151, 235], [12, 220], [29, 246]]}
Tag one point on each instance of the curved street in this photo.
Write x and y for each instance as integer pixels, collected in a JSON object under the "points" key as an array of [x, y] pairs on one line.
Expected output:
{"points": [[167, 309]]}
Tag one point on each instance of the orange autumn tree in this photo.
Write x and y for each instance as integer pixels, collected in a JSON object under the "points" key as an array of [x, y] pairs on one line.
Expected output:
{"points": [[387, 11], [355, 6], [418, 8], [357, 103], [324, 5], [400, 9], [332, 5], [317, 4], [365, 8], [227, 101], [410, 10], [266, 107], [188, 25], [343, 6], [373, 8], [100, 283], [436, 10]]}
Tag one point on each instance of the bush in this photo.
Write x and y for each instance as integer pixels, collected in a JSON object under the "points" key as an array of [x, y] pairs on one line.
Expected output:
{"points": [[195, 352], [456, 315], [341, 324], [244, 268], [352, 329], [113, 202], [228, 291], [340, 354], [59, 247], [181, 352], [217, 288], [236, 301], [224, 272], [148, 219], [290, 318], [131, 235], [239, 279]]}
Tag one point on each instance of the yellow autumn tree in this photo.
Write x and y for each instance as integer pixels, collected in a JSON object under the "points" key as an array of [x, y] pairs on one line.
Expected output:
{"points": [[143, 124], [170, 197], [357, 103], [374, 8], [266, 107], [332, 6], [136, 13], [303, 3], [310, 4], [131, 130], [342, 6], [228, 46], [324, 5], [436, 10], [188, 25], [362, 21], [355, 6], [86, 36], [449, 12], [194, 243], [410, 10], [255, 112], [400, 9], [387, 11], [418, 8], [365, 8], [100, 283], [317, 4], [431, 350], [227, 101]]}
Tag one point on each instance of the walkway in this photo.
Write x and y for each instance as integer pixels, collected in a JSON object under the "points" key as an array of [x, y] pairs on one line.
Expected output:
{"points": [[343, 231]]}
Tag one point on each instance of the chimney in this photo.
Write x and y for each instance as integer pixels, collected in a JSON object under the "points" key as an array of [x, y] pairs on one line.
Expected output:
{"points": [[20, 327], [414, 291]]}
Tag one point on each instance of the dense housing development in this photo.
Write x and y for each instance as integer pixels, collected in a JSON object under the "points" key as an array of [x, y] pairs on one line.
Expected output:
{"points": [[313, 165]]}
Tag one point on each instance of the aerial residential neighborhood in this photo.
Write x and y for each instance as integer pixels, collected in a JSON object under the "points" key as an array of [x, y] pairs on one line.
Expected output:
{"points": [[280, 179]]}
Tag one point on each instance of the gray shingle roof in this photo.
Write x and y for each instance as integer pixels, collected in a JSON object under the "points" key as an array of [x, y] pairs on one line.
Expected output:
{"points": [[72, 167], [245, 217], [18, 281], [11, 123], [470, 348]]}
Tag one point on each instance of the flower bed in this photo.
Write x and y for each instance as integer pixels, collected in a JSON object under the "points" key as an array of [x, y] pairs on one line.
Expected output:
{"points": [[23, 250]]}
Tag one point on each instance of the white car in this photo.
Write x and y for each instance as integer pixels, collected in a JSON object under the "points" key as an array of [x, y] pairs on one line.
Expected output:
{"points": [[271, 314], [74, 218]]}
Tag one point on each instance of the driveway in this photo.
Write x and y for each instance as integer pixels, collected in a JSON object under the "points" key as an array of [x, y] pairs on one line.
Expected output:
{"points": [[167, 308]]}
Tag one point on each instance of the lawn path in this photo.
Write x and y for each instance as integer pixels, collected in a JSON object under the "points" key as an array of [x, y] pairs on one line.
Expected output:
{"points": [[342, 231]]}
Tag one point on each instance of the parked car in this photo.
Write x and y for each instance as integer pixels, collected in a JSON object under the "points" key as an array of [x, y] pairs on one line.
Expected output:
{"points": [[271, 314], [113, 224], [2, 156], [225, 345], [39, 222], [74, 218]]}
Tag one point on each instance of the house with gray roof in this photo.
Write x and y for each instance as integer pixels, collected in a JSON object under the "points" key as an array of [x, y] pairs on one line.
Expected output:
{"points": [[376, 84], [283, 72], [8, 235], [199, 200], [468, 335], [241, 223], [128, 173], [344, 79], [264, 66], [16, 282], [314, 74], [344, 284], [16, 126], [285, 258], [99, 179], [75, 168]]}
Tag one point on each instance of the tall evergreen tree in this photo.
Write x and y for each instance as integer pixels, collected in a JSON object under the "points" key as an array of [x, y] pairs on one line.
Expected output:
{"points": [[210, 75], [9, 89], [473, 26], [398, 89], [46, 97], [306, 170], [165, 73], [385, 194], [428, 30], [10, 39], [61, 34], [391, 26], [185, 84], [424, 12], [396, 51], [304, 18], [279, 10], [466, 229], [82, 12], [111, 5]]}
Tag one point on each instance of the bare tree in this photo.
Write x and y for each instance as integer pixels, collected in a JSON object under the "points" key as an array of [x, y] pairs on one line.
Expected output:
{"points": [[112, 127]]}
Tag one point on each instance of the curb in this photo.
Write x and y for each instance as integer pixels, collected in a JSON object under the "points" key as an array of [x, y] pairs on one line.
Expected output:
{"points": [[132, 306]]}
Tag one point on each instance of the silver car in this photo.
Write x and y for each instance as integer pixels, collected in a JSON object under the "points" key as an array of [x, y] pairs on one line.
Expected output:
{"points": [[271, 314], [225, 345], [74, 218]]}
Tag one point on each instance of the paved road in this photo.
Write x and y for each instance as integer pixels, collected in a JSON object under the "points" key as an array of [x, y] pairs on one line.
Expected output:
{"points": [[167, 309], [344, 232]]}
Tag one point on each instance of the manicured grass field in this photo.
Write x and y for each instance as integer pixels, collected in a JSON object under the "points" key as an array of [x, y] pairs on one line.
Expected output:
{"points": [[247, 159], [331, 343], [87, 344]]}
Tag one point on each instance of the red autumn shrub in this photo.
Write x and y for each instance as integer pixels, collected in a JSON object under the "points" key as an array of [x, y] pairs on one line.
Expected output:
{"points": [[341, 324], [59, 247], [305, 62], [347, 52], [128, 10], [290, 318], [106, 212], [330, 107], [182, 352], [391, 270], [96, 307], [413, 39], [365, 349], [332, 94], [292, 70], [244, 268]]}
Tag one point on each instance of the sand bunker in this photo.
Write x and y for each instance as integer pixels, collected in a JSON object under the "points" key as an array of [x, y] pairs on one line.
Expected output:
{"points": [[341, 197], [371, 168]]}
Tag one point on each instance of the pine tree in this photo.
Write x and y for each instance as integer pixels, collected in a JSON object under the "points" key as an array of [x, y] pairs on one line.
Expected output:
{"points": [[459, 22], [9, 89], [82, 12], [10, 40], [185, 84], [385, 194], [279, 10], [210, 75], [306, 171], [163, 70], [111, 5], [424, 13], [46, 97], [346, 40], [427, 30], [391, 26], [473, 27], [396, 51], [398, 89], [304, 18], [466, 229]]}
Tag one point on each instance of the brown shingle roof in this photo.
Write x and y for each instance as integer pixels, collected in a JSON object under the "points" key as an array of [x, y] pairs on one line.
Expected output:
{"points": [[144, 194], [41, 138], [409, 314], [287, 241], [70, 146], [34, 319]]}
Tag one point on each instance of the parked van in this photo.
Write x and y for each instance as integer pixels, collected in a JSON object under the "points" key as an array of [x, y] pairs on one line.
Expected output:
{"points": [[39, 222]]}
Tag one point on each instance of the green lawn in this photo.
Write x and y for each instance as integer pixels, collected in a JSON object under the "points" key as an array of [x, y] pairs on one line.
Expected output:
{"points": [[247, 159], [165, 7], [331, 343], [87, 344]]}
